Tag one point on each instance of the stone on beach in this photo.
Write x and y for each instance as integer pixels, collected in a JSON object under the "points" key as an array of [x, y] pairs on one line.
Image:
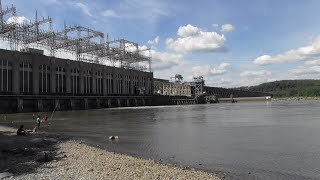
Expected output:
{"points": [[44, 157], [113, 137]]}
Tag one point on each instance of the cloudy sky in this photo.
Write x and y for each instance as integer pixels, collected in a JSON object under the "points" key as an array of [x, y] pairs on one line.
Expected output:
{"points": [[231, 43]]}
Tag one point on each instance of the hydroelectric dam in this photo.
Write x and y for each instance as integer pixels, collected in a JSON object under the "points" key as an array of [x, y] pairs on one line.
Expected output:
{"points": [[78, 68]]}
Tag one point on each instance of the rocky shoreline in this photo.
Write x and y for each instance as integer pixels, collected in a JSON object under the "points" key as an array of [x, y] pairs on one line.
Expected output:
{"points": [[46, 156]]}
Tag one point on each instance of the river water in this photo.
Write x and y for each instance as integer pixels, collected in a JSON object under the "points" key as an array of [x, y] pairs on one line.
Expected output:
{"points": [[254, 140]]}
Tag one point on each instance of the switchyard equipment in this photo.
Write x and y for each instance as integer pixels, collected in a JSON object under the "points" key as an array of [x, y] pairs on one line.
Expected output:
{"points": [[197, 86], [178, 79], [85, 44]]}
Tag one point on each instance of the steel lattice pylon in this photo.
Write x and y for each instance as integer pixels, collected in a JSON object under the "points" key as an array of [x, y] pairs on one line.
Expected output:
{"points": [[197, 84], [84, 43]]}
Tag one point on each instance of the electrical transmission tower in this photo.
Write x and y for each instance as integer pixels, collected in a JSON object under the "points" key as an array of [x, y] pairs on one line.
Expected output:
{"points": [[85, 44], [197, 85]]}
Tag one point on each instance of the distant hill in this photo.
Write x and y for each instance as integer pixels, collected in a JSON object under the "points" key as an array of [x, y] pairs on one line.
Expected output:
{"points": [[289, 88]]}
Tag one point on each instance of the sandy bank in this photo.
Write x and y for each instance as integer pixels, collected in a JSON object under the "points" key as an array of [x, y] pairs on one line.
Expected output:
{"points": [[74, 160]]}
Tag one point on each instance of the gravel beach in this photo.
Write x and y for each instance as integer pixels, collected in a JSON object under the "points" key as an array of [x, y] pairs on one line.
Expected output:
{"points": [[45, 156]]}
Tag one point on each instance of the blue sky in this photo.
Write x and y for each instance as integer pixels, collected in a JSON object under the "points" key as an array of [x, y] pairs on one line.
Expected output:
{"points": [[230, 42]]}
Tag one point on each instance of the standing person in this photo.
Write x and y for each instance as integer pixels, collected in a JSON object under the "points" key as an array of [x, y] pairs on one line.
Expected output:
{"points": [[46, 118], [38, 121], [32, 116]]}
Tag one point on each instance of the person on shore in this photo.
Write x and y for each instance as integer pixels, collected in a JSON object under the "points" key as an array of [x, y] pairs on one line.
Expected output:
{"points": [[46, 118], [21, 131], [38, 121]]}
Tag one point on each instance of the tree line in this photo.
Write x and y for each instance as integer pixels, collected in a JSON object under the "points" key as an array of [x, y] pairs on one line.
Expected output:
{"points": [[288, 88]]}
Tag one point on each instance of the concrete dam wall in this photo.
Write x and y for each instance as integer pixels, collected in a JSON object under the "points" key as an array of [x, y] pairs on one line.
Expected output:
{"points": [[34, 82]]}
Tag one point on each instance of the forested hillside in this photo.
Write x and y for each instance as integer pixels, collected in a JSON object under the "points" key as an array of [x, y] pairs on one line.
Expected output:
{"points": [[289, 88]]}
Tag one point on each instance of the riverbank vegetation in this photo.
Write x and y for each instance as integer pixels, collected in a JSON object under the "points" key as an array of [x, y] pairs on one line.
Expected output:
{"points": [[289, 88]]}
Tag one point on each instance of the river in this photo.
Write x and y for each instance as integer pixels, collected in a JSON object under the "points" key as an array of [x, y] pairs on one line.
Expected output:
{"points": [[245, 140]]}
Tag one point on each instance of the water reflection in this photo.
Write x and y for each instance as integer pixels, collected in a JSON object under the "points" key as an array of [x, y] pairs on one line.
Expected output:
{"points": [[277, 140]]}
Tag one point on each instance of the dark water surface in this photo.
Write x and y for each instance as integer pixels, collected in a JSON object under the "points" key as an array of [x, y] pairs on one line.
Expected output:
{"points": [[260, 140]]}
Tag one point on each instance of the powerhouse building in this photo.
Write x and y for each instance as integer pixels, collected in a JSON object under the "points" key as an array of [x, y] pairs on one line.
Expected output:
{"points": [[167, 88], [25, 73]]}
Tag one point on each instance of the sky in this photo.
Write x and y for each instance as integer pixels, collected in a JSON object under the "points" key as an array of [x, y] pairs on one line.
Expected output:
{"points": [[230, 43]]}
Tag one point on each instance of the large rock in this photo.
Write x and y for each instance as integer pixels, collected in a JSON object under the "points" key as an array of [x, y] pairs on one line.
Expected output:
{"points": [[44, 156]]}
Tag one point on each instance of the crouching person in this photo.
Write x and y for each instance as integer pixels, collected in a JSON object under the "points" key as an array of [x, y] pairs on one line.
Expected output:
{"points": [[21, 131]]}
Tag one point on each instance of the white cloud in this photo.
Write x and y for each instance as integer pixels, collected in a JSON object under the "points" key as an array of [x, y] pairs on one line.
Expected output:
{"points": [[150, 7], [306, 70], [188, 30], [160, 60], [149, 11], [313, 62], [51, 2], [155, 41], [110, 13], [164, 60], [17, 20], [85, 9], [215, 25], [227, 28], [216, 81], [301, 54], [193, 39], [207, 70], [253, 81], [183, 68], [255, 73]]}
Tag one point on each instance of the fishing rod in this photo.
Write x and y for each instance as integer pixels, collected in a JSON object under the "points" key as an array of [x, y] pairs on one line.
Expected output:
{"points": [[56, 105]]}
